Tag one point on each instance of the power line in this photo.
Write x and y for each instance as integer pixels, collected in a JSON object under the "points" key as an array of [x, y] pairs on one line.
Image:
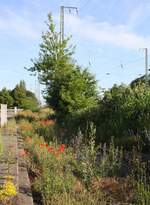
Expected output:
{"points": [[122, 64], [117, 72]]}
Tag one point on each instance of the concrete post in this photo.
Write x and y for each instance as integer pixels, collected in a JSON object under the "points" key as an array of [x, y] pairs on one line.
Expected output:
{"points": [[3, 115], [15, 110]]}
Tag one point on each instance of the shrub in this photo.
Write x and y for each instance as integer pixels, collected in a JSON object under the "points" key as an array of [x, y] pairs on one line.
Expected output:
{"points": [[122, 112], [45, 113], [7, 191], [110, 160], [139, 178], [45, 128], [53, 167], [25, 128], [27, 115], [103, 161]]}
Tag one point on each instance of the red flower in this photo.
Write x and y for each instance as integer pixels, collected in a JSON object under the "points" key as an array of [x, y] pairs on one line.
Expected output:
{"points": [[50, 149], [47, 122], [42, 145], [62, 148]]}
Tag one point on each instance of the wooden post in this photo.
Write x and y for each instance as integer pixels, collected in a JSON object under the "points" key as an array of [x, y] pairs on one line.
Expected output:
{"points": [[3, 114]]}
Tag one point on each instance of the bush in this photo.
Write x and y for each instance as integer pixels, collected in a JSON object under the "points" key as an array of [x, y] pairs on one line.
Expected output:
{"points": [[45, 128], [25, 128], [122, 112], [53, 167], [27, 115]]}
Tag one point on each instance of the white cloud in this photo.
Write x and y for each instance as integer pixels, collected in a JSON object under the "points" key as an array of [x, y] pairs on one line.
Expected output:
{"points": [[15, 24], [22, 24], [105, 33]]}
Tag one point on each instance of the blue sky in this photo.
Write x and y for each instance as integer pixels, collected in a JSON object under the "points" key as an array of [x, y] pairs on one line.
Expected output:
{"points": [[107, 35]]}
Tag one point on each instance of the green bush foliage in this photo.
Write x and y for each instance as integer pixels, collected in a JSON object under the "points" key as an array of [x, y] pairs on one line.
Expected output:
{"points": [[123, 112], [19, 97], [83, 173], [23, 98], [6, 98]]}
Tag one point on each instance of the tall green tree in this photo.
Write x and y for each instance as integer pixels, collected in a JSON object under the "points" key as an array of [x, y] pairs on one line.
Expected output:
{"points": [[30, 101], [5, 97], [24, 98], [19, 93], [69, 88]]}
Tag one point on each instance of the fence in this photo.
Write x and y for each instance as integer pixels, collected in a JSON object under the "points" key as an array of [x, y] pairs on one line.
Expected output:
{"points": [[5, 113]]}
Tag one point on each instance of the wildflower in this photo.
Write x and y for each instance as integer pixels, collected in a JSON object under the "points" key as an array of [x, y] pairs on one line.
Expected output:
{"points": [[62, 148], [7, 190], [42, 145], [50, 149], [47, 122], [23, 153]]}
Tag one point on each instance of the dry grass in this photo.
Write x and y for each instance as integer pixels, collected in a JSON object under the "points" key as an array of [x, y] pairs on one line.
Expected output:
{"points": [[120, 190]]}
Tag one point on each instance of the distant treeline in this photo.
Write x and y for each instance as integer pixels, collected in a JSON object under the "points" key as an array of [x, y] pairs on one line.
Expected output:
{"points": [[19, 97]]}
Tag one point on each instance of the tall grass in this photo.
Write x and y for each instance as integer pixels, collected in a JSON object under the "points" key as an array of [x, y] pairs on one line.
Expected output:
{"points": [[84, 173]]}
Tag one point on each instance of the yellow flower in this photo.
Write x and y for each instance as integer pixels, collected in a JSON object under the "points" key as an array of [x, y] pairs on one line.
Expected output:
{"points": [[7, 190]]}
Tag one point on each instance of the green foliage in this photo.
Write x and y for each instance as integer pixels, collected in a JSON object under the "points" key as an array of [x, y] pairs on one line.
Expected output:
{"points": [[47, 131], [139, 81], [86, 157], [84, 173], [19, 93], [101, 161], [56, 175], [123, 112], [110, 160], [30, 103], [6, 98], [23, 98], [139, 176], [19, 97], [142, 193], [68, 87], [25, 128]]}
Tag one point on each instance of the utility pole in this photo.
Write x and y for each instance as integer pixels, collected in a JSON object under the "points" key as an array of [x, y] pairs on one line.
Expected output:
{"points": [[62, 19], [37, 89], [146, 65]]}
